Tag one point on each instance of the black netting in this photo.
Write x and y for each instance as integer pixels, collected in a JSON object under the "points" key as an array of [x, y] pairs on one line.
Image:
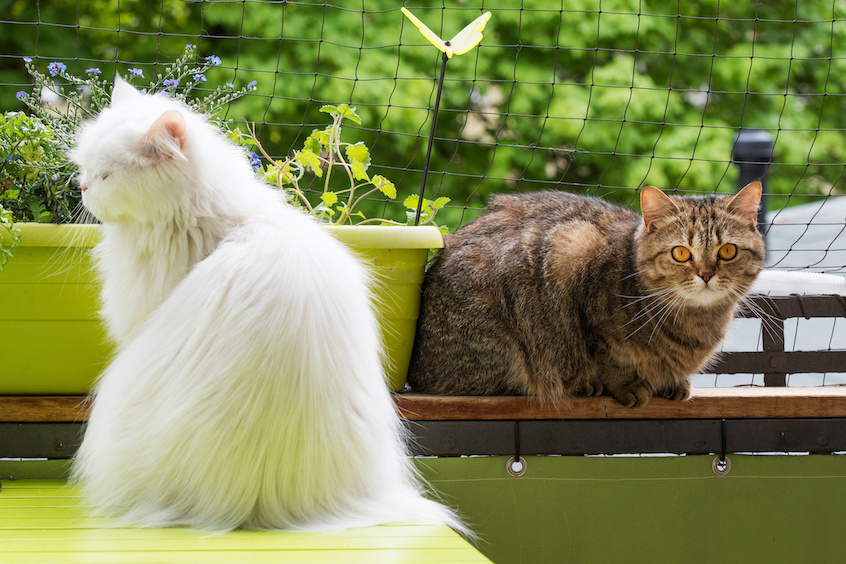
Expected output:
{"points": [[593, 97]]}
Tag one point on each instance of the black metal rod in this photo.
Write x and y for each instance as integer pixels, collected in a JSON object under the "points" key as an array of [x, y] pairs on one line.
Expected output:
{"points": [[431, 140], [753, 153]]}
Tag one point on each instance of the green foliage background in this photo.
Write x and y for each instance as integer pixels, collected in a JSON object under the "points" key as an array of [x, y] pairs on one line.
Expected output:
{"points": [[589, 96]]}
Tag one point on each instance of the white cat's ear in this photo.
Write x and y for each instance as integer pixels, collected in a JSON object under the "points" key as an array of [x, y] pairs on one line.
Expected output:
{"points": [[123, 92], [746, 202], [655, 206], [166, 137]]}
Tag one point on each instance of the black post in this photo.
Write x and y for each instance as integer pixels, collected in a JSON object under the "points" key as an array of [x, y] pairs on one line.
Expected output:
{"points": [[753, 153], [431, 139]]}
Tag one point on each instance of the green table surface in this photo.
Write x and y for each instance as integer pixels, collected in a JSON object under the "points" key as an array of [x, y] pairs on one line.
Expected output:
{"points": [[44, 521]]}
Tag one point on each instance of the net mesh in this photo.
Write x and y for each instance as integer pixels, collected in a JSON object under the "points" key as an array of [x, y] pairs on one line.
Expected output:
{"points": [[593, 97]]}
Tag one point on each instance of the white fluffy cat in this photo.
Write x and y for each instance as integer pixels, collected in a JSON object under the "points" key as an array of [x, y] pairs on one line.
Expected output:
{"points": [[247, 390]]}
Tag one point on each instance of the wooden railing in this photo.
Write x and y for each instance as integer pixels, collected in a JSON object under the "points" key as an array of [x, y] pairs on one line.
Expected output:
{"points": [[773, 362]]}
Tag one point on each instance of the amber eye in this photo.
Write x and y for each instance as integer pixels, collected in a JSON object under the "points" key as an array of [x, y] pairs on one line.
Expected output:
{"points": [[727, 251], [681, 254]]}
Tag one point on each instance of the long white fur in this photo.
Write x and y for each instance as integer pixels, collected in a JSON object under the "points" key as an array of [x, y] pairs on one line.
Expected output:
{"points": [[247, 390]]}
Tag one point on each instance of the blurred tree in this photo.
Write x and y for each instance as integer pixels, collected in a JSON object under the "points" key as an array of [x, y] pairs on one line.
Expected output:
{"points": [[595, 97]]}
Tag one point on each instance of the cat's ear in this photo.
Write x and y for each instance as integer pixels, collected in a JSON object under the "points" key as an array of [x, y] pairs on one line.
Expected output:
{"points": [[746, 202], [655, 206], [166, 137], [123, 92]]}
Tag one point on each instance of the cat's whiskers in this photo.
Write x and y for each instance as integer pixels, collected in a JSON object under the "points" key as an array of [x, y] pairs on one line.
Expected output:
{"points": [[632, 275], [664, 299], [637, 299], [769, 322], [675, 303], [647, 308]]}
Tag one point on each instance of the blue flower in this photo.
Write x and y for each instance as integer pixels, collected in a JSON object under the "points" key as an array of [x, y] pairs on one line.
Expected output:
{"points": [[170, 82], [255, 161], [27, 59], [252, 85], [213, 60], [93, 71], [230, 86], [199, 77], [56, 67], [136, 73], [21, 95]]}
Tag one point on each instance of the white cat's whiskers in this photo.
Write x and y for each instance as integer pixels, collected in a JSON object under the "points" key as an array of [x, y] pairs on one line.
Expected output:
{"points": [[769, 322], [653, 309], [676, 302]]}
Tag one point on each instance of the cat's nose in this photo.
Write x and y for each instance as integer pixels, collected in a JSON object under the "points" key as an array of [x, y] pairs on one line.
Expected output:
{"points": [[706, 274], [83, 187]]}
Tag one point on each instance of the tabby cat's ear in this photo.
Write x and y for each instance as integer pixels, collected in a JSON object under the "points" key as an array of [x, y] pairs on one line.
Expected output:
{"points": [[166, 137], [655, 206], [123, 91], [745, 203]]}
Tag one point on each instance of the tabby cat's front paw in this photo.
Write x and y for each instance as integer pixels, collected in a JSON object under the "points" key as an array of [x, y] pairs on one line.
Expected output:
{"points": [[633, 394], [592, 387], [678, 392]]}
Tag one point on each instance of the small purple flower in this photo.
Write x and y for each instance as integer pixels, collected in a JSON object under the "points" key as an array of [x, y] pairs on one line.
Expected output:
{"points": [[255, 161], [170, 82], [21, 95], [230, 86], [138, 73], [27, 59], [56, 67], [252, 85], [213, 60], [199, 77], [93, 71]]}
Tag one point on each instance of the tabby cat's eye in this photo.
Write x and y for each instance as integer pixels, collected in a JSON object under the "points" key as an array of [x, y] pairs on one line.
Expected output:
{"points": [[681, 254], [727, 251]]}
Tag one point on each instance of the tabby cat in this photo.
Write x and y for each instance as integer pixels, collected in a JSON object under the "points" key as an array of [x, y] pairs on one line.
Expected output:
{"points": [[555, 295]]}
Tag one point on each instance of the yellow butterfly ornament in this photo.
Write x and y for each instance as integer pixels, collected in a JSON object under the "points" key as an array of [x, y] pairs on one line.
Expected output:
{"points": [[463, 41]]}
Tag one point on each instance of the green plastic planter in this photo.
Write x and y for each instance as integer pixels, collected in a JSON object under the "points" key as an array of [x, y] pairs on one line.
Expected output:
{"points": [[397, 256], [55, 344], [52, 340]]}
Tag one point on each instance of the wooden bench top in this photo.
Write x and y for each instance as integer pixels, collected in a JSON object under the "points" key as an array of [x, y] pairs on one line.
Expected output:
{"points": [[705, 403]]}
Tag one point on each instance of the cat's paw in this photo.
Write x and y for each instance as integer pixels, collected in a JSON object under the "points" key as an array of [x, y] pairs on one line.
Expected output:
{"points": [[678, 392], [633, 394], [592, 387]]}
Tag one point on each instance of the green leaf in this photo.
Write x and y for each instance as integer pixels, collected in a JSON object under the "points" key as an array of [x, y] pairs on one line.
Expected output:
{"points": [[348, 111], [359, 170], [329, 109], [440, 202], [324, 213], [316, 141], [307, 159], [358, 152], [329, 198], [385, 186], [411, 201]]}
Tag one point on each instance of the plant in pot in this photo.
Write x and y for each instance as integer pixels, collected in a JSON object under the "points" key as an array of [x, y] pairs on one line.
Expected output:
{"points": [[395, 252], [54, 341]]}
